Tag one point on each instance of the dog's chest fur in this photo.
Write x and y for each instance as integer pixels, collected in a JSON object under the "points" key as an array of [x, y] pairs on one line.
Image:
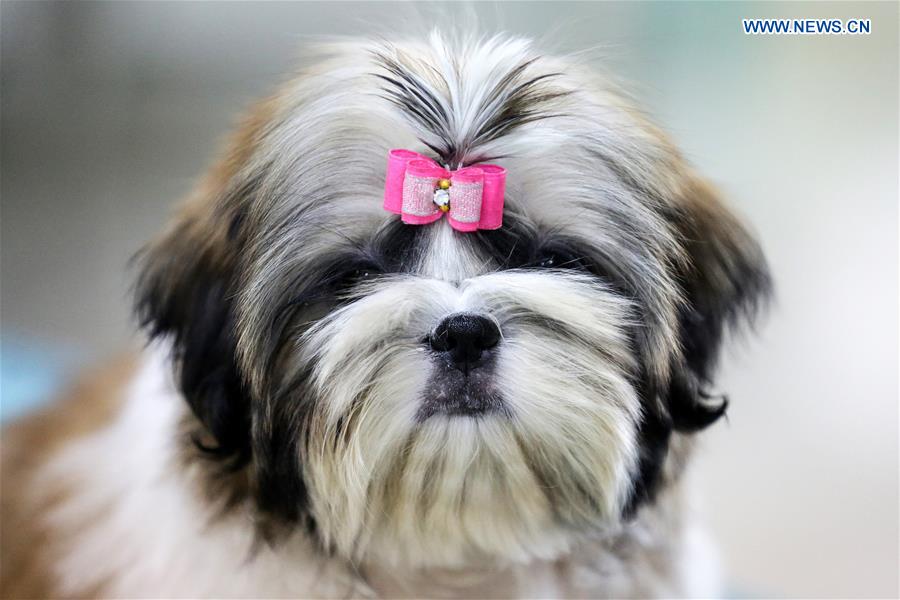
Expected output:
{"points": [[134, 524]]}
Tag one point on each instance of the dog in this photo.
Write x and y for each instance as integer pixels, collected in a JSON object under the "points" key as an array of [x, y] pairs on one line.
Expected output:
{"points": [[442, 322]]}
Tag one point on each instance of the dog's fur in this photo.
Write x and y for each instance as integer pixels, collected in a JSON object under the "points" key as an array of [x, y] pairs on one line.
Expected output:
{"points": [[312, 444]]}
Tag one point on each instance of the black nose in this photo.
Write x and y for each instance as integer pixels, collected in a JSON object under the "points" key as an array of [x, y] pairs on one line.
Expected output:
{"points": [[465, 337]]}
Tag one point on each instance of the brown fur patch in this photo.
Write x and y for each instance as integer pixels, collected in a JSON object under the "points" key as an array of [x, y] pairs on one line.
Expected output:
{"points": [[26, 543]]}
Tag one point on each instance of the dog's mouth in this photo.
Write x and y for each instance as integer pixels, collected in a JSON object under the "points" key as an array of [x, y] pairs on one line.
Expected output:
{"points": [[457, 394]]}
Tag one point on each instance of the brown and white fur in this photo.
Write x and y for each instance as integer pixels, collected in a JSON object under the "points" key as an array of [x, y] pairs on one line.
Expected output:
{"points": [[294, 430]]}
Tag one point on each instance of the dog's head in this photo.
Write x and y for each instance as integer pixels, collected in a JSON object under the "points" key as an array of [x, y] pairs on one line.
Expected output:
{"points": [[432, 397]]}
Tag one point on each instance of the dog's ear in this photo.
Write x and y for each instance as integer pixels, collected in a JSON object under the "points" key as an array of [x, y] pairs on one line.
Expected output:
{"points": [[725, 281], [185, 292]]}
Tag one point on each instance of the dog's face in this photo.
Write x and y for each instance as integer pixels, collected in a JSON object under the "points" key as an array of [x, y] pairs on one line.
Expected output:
{"points": [[428, 397]]}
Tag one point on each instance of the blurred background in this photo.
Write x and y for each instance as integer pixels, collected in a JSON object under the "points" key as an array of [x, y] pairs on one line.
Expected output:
{"points": [[110, 110]]}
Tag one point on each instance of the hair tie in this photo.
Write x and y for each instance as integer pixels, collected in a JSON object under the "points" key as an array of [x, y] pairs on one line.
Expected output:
{"points": [[421, 192]]}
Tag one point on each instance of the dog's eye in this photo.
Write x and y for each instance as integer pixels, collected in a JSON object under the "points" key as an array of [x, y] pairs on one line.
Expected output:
{"points": [[548, 262], [357, 275], [559, 259]]}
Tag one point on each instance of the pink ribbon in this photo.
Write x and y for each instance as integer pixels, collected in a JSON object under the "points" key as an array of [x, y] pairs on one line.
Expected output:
{"points": [[414, 182]]}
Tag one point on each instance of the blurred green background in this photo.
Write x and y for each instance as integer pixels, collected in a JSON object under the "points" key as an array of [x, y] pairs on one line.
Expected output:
{"points": [[110, 111]]}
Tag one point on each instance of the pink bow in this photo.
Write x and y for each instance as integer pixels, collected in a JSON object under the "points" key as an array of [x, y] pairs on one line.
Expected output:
{"points": [[421, 191]]}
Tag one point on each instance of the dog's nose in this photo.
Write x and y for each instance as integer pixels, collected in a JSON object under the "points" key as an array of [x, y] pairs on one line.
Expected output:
{"points": [[465, 337]]}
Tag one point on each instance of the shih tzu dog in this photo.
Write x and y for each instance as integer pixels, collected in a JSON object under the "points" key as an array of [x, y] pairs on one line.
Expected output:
{"points": [[442, 322]]}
